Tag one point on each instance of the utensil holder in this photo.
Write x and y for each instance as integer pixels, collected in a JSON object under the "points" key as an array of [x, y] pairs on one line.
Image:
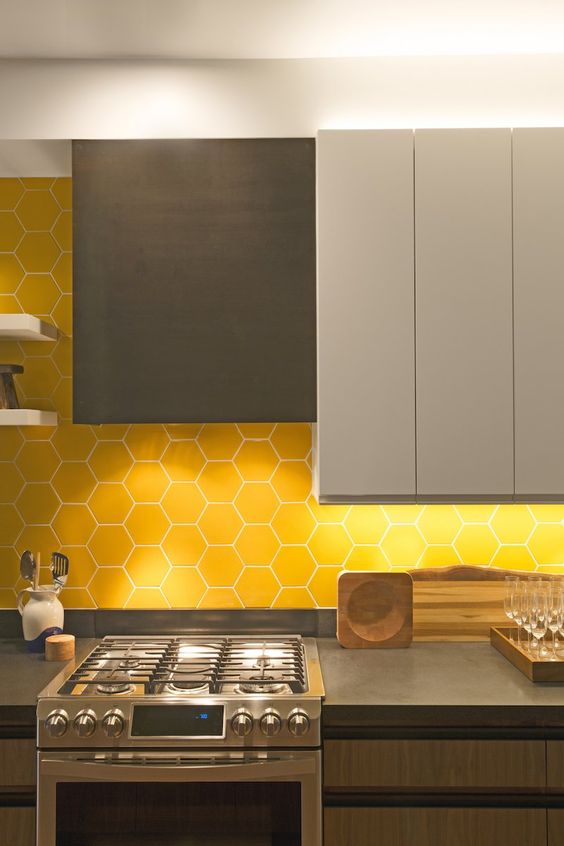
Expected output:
{"points": [[43, 615]]}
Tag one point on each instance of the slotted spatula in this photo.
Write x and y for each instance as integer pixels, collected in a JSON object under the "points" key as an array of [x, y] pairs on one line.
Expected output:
{"points": [[59, 567]]}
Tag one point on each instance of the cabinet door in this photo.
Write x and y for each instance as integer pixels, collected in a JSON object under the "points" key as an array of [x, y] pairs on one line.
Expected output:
{"points": [[555, 827], [464, 344], [538, 189], [17, 826], [435, 827], [365, 439]]}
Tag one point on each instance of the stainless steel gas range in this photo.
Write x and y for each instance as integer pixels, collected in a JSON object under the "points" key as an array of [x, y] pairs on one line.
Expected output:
{"points": [[178, 741]]}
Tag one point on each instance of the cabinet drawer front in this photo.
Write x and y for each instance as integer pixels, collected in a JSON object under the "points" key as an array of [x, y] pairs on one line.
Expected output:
{"points": [[555, 764], [434, 763], [17, 826], [435, 827], [17, 762]]}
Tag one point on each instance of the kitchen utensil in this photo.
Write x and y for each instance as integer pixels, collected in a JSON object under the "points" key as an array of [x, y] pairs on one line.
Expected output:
{"points": [[8, 395], [37, 570], [27, 566], [42, 615], [375, 610], [59, 567]]}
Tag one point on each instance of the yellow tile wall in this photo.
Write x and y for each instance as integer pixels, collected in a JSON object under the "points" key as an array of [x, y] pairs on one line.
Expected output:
{"points": [[187, 515]]}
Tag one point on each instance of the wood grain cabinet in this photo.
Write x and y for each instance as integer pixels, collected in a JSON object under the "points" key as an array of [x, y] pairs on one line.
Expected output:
{"points": [[17, 791]]}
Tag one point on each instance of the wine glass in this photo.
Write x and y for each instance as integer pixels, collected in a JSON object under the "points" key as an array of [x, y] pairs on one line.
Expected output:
{"points": [[525, 601], [518, 608], [554, 610], [538, 616], [511, 583]]}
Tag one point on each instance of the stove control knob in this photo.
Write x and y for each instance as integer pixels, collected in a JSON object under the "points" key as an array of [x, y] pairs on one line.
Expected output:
{"points": [[56, 723], [298, 723], [242, 724], [270, 723], [85, 723], [113, 724]]}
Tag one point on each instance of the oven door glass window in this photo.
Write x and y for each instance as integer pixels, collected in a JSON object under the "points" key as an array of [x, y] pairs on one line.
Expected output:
{"points": [[178, 814]]}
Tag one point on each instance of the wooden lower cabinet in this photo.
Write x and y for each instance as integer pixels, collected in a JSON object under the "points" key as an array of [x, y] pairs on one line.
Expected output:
{"points": [[556, 827], [437, 827], [17, 826]]}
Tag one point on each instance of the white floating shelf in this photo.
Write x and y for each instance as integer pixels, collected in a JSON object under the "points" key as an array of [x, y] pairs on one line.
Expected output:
{"points": [[27, 417], [26, 327]]}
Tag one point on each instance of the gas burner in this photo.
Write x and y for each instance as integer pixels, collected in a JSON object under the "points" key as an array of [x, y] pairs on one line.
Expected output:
{"points": [[187, 687], [262, 684], [128, 664], [115, 688]]}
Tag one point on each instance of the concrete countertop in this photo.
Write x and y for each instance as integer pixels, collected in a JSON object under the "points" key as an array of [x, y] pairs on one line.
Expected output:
{"points": [[441, 684]]}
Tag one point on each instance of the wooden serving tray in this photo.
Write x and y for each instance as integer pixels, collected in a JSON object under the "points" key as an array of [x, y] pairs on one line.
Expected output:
{"points": [[536, 671]]}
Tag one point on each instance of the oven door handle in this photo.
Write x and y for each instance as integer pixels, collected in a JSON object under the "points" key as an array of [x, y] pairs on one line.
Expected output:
{"points": [[282, 769]]}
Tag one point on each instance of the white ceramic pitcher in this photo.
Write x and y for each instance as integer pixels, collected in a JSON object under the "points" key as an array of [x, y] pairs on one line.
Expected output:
{"points": [[42, 616]]}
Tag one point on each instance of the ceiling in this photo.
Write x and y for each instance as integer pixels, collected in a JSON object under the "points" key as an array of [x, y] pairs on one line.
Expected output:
{"points": [[243, 29]]}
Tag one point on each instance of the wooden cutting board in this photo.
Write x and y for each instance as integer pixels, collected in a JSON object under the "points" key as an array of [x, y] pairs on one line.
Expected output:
{"points": [[375, 610]]}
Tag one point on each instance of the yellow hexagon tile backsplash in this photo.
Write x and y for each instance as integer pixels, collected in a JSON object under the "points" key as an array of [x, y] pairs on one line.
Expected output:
{"points": [[209, 516]]}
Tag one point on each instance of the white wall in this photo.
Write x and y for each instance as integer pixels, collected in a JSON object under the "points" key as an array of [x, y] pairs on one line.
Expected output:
{"points": [[112, 99]]}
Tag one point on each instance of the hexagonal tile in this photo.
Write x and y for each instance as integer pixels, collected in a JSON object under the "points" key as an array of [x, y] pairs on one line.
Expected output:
{"points": [[62, 273], [330, 544], [82, 566], [439, 524], [147, 566], [256, 502], [38, 252], [61, 189], [293, 565], [183, 587], [184, 545], [110, 461], [257, 587], [475, 513], [38, 539], [514, 558], [148, 598], [147, 524], [77, 598], [547, 544], [37, 503], [11, 481], [293, 523], [11, 190], [547, 513], [294, 597], [11, 231], [183, 431], [323, 586], [37, 461], [110, 545], [37, 210], [9, 566], [219, 441], [327, 513], [438, 556], [11, 274], [512, 523], [292, 440], [183, 502], [256, 430], [10, 442], [220, 566], [10, 525], [292, 481], [74, 481], [74, 524], [403, 545], [73, 442], [257, 544], [146, 481], [219, 481], [62, 314], [7, 598], [476, 544], [403, 513], [110, 587], [220, 598], [38, 433], [62, 231], [366, 523], [147, 442], [256, 461], [110, 503], [367, 558], [37, 293], [220, 523], [39, 379], [62, 356], [183, 461], [111, 431]]}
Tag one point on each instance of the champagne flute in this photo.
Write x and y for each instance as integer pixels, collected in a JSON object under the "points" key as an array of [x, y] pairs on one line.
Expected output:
{"points": [[525, 612], [511, 584], [538, 617], [518, 608], [554, 609]]}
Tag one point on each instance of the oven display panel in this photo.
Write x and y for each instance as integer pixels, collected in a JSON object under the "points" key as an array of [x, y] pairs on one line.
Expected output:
{"points": [[177, 721]]}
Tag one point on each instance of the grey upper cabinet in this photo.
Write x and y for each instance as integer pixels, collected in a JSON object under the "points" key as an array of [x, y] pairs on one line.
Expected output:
{"points": [[464, 344], [365, 438], [538, 209]]}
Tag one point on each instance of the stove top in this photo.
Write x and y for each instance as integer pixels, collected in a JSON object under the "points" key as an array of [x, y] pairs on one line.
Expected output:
{"points": [[187, 690]]}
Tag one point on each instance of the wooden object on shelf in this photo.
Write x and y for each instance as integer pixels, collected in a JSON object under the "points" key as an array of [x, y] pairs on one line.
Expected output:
{"points": [[8, 395], [26, 327], [375, 610], [59, 647], [536, 671], [27, 417], [458, 603]]}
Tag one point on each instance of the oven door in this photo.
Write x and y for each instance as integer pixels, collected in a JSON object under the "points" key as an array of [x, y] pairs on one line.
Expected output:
{"points": [[179, 798]]}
